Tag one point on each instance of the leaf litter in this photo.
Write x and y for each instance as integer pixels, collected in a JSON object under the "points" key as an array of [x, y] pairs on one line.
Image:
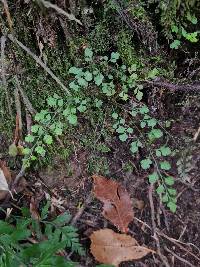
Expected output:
{"points": [[114, 197], [112, 248], [107, 246], [5, 180]]}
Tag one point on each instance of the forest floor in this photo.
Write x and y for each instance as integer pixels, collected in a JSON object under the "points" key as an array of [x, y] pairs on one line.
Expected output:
{"points": [[64, 175]]}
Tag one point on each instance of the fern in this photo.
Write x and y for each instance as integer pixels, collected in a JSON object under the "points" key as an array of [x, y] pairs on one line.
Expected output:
{"points": [[16, 250]]}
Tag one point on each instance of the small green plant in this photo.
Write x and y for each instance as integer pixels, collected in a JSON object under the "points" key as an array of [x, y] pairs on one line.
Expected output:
{"points": [[146, 134], [181, 32], [92, 86], [25, 241]]}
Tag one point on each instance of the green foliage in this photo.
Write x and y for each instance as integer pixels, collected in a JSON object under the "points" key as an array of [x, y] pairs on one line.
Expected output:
{"points": [[176, 13], [108, 80], [50, 236], [180, 32], [146, 163]]}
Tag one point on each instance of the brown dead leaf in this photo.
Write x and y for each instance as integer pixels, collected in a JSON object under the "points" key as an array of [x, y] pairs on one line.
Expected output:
{"points": [[5, 179], [117, 203], [109, 247], [6, 171]]}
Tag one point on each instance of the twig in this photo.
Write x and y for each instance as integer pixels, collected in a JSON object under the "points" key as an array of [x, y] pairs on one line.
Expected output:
{"points": [[162, 257], [81, 210], [142, 222], [39, 61], [26, 101], [60, 11], [18, 131], [3, 44], [178, 244], [196, 135], [178, 257]]}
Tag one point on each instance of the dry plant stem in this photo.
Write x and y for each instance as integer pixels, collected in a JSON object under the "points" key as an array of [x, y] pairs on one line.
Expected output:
{"points": [[38, 61], [60, 11], [179, 258], [178, 244], [19, 113], [81, 210], [162, 257], [3, 44], [26, 101], [196, 135]]}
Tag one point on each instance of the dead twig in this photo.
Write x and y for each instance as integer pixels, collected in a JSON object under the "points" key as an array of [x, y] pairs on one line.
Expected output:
{"points": [[60, 11], [178, 243], [3, 75], [18, 131], [178, 257], [196, 135], [38, 61], [26, 101], [162, 257]]}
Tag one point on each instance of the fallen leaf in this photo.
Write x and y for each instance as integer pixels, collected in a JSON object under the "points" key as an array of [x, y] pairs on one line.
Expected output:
{"points": [[3, 182], [112, 248], [5, 179], [6, 171], [117, 203]]}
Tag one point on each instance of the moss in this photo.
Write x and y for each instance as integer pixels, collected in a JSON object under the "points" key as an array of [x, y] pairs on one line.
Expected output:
{"points": [[138, 11], [100, 38], [126, 48]]}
